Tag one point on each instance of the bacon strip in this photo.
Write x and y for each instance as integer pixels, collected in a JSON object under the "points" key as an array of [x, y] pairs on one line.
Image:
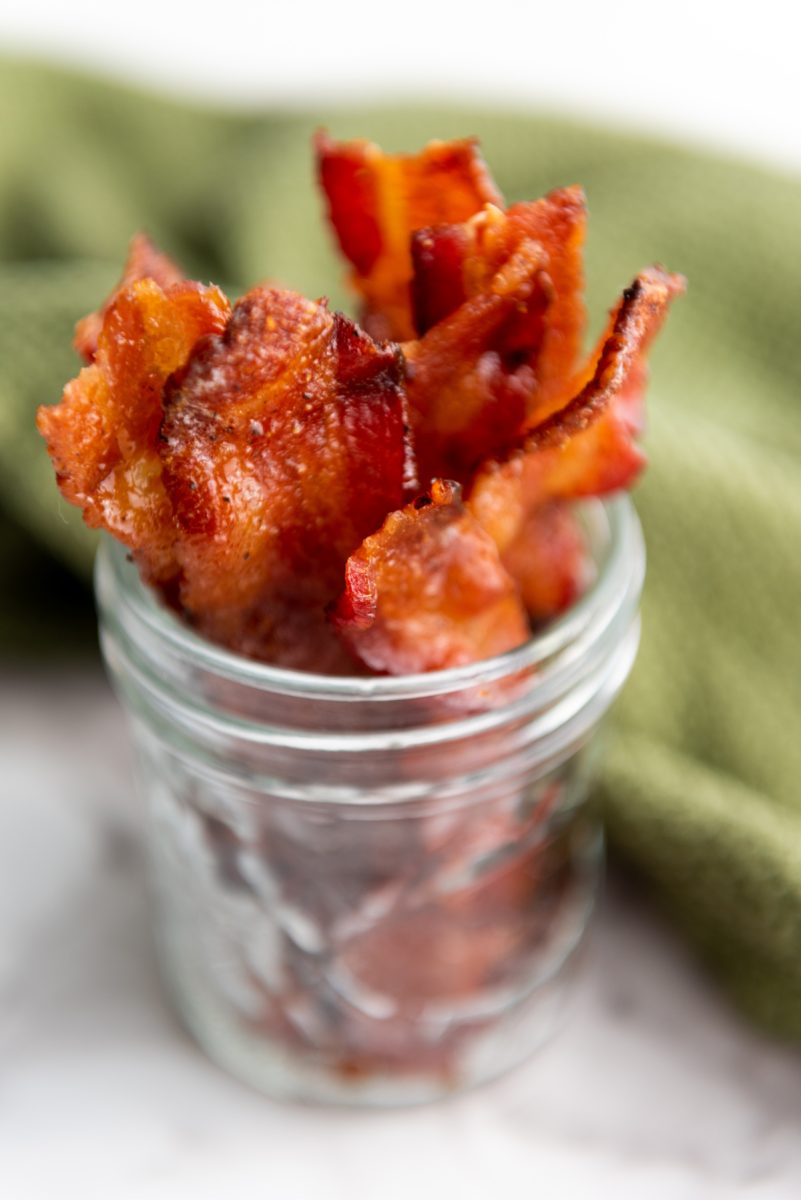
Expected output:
{"points": [[375, 203], [144, 261], [103, 437], [284, 446], [589, 447], [453, 263], [428, 591], [549, 561], [467, 398], [499, 300]]}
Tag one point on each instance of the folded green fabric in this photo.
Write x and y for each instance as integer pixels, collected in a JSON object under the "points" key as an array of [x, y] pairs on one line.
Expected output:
{"points": [[701, 782]]}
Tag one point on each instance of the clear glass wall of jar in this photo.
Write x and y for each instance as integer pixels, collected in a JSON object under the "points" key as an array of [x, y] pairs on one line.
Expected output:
{"points": [[372, 890]]}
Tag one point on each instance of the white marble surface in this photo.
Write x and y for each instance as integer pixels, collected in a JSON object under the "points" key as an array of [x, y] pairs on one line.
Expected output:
{"points": [[653, 1089]]}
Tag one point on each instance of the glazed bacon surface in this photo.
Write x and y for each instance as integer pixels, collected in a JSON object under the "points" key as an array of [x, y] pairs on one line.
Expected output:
{"points": [[496, 298], [455, 263], [262, 462], [428, 591], [376, 202], [144, 261], [499, 303], [103, 438], [547, 558], [589, 447], [284, 444]]}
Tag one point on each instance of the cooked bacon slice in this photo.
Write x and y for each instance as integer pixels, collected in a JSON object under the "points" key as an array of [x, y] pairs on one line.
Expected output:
{"points": [[589, 447], [428, 591], [103, 436], [548, 561], [452, 263], [468, 400], [144, 261], [499, 301], [284, 446], [553, 347], [375, 203], [439, 254]]}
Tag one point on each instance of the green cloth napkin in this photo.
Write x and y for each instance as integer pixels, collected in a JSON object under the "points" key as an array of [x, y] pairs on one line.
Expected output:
{"points": [[701, 781]]}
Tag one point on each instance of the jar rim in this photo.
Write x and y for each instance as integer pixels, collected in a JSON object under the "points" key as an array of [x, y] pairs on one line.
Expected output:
{"points": [[612, 581]]}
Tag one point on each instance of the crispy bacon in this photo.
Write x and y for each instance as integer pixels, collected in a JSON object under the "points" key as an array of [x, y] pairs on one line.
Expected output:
{"points": [[144, 261], [499, 300], [284, 446], [375, 203], [589, 447], [452, 263], [103, 436], [548, 560], [553, 348], [428, 591], [248, 457], [439, 254], [467, 399]]}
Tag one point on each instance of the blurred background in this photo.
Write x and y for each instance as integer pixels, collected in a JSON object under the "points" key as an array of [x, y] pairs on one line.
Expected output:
{"points": [[711, 73], [194, 123]]}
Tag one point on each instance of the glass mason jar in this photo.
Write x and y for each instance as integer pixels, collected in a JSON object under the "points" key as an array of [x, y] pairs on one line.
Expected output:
{"points": [[372, 890]]}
